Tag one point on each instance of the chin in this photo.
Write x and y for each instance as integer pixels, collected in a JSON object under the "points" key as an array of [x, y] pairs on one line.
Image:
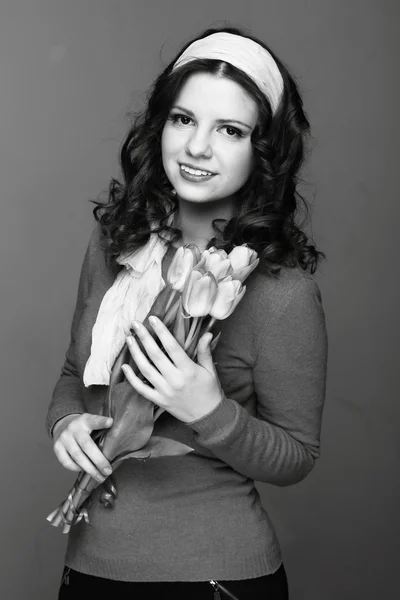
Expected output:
{"points": [[195, 198], [192, 195]]}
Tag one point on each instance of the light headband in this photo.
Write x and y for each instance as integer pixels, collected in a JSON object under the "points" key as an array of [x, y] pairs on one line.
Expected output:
{"points": [[243, 53]]}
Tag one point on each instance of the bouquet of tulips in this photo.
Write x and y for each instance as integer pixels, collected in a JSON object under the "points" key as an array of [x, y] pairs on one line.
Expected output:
{"points": [[201, 288]]}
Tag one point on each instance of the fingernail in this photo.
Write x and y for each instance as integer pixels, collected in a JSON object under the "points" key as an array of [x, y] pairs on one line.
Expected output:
{"points": [[136, 325], [153, 321], [107, 471]]}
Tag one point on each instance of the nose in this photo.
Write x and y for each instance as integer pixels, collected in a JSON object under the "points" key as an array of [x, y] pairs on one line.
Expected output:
{"points": [[198, 144]]}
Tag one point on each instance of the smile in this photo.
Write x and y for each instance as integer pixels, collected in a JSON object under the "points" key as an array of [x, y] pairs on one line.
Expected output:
{"points": [[197, 172], [195, 175]]}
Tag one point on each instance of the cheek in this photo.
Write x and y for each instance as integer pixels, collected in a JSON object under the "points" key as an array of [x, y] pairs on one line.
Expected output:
{"points": [[170, 142], [242, 165], [165, 142]]}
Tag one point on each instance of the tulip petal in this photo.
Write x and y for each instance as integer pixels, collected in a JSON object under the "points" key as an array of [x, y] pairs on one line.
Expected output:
{"points": [[181, 267], [202, 295], [241, 256], [244, 272], [194, 276]]}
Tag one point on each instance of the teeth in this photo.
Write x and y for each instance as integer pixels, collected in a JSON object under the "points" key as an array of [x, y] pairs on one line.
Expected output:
{"points": [[194, 171]]}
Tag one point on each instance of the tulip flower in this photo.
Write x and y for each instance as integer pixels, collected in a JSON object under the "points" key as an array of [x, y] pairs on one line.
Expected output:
{"points": [[185, 258], [217, 262], [199, 293], [230, 292], [243, 261], [200, 289]]}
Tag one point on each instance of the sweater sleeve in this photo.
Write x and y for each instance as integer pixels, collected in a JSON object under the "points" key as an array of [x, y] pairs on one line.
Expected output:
{"points": [[280, 444], [68, 393]]}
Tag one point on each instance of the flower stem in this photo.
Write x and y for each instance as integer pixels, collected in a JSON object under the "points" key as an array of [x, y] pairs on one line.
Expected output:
{"points": [[192, 347], [209, 325], [68, 512], [192, 330], [192, 351], [76, 498]]}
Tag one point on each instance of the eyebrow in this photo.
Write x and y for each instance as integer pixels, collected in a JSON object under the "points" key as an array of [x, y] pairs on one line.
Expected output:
{"points": [[218, 121]]}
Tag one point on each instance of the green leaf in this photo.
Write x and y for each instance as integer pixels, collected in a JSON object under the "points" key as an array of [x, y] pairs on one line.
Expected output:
{"points": [[158, 307], [215, 341], [156, 447], [171, 313], [133, 421], [179, 331]]}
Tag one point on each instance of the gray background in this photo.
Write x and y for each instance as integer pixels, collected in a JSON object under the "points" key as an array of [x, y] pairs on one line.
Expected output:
{"points": [[69, 72]]}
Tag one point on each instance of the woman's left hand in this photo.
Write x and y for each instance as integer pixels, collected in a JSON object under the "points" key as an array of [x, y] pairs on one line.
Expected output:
{"points": [[187, 390]]}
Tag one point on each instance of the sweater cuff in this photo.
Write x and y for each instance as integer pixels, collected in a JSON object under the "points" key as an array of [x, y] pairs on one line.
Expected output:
{"points": [[218, 426]]}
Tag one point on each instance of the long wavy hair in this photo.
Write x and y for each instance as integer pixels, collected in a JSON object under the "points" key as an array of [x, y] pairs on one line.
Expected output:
{"points": [[264, 209]]}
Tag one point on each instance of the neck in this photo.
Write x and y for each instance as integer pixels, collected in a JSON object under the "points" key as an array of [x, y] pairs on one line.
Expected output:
{"points": [[195, 220]]}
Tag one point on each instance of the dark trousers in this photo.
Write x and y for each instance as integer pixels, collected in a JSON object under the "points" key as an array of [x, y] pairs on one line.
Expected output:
{"points": [[78, 586]]}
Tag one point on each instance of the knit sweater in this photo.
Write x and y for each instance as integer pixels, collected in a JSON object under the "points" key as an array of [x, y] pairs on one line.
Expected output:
{"points": [[199, 516]]}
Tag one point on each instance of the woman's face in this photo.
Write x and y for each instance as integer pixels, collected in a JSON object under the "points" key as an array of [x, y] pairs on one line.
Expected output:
{"points": [[209, 130]]}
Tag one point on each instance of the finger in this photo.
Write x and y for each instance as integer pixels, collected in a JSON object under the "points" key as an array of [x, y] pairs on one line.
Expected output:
{"points": [[95, 455], [146, 368], [64, 458], [174, 350], [82, 460], [97, 421], [140, 386], [155, 353]]}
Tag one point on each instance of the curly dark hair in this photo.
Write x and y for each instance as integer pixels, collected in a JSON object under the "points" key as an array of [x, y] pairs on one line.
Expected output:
{"points": [[264, 209]]}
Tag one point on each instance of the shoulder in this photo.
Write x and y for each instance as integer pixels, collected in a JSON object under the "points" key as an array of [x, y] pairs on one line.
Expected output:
{"points": [[96, 242], [283, 311], [289, 311], [272, 294], [95, 261], [279, 302], [96, 250]]}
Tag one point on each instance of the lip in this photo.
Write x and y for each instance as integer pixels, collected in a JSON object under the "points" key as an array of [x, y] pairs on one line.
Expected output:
{"points": [[195, 178], [197, 168]]}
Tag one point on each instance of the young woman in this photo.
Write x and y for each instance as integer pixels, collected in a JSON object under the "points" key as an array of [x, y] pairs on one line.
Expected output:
{"points": [[213, 160]]}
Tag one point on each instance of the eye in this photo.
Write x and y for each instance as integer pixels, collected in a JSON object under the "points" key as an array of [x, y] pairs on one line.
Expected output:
{"points": [[233, 131], [179, 119]]}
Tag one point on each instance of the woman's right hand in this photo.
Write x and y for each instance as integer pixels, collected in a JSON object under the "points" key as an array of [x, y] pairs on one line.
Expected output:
{"points": [[74, 447]]}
